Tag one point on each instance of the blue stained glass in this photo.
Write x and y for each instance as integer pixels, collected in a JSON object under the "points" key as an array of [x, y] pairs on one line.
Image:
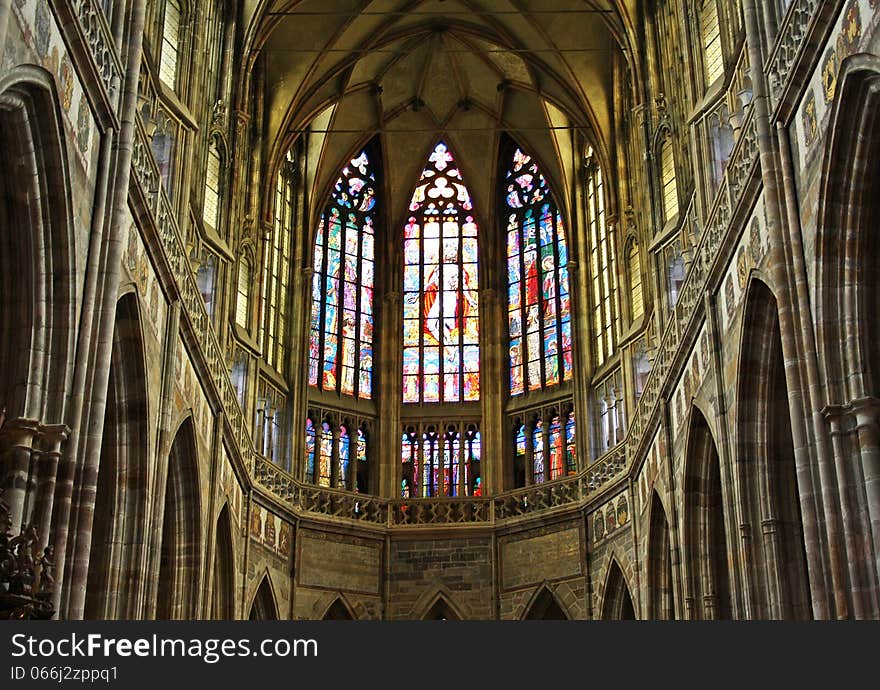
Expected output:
{"points": [[538, 296], [354, 199], [411, 279]]}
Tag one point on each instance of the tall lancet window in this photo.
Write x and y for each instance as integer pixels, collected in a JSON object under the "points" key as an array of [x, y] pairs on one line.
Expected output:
{"points": [[441, 328], [341, 336], [539, 300]]}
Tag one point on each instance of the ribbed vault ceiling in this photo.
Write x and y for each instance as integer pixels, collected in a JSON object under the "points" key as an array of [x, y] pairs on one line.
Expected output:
{"points": [[414, 71]]}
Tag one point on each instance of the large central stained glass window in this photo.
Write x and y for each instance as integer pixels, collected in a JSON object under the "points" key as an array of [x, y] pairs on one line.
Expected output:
{"points": [[441, 327], [341, 337]]}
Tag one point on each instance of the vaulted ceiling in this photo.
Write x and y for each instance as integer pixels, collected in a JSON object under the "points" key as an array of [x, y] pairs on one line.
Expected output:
{"points": [[414, 71]]}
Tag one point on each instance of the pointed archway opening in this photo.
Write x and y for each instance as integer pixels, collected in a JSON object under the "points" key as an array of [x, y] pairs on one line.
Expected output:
{"points": [[776, 551], [338, 611], [114, 576], [441, 610], [705, 545], [545, 607], [660, 593], [222, 604], [618, 603], [263, 607], [179, 570]]}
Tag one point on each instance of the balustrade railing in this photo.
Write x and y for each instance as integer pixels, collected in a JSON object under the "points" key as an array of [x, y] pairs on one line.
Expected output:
{"points": [[789, 41]]}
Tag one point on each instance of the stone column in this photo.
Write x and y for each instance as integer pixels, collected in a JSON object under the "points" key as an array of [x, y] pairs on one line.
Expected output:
{"points": [[16, 450], [867, 416], [47, 474]]}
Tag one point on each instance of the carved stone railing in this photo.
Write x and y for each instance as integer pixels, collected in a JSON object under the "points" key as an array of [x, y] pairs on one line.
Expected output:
{"points": [[145, 173], [538, 498], [790, 39], [442, 511], [275, 480], [86, 19], [342, 504], [718, 226]]}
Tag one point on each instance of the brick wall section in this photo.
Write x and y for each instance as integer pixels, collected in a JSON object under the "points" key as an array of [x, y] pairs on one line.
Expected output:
{"points": [[460, 568]]}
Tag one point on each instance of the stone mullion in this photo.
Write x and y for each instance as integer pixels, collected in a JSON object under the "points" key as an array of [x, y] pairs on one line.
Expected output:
{"points": [[334, 454], [492, 348], [47, 475], [529, 429]]}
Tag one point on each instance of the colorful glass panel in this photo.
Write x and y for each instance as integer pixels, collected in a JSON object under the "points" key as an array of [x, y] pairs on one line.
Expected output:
{"points": [[326, 455], [341, 334], [539, 302], [441, 328], [310, 450]]}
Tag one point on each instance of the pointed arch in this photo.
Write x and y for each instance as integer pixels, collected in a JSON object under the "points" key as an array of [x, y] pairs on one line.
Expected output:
{"points": [[344, 263], [441, 327], [179, 573], [661, 605], [37, 310], [339, 610], [118, 525], [441, 610], [223, 601], [617, 604], [849, 214], [539, 295], [705, 537], [263, 605], [776, 551], [545, 606]]}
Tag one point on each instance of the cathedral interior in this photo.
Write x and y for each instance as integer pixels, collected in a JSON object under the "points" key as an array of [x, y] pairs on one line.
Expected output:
{"points": [[439, 309]]}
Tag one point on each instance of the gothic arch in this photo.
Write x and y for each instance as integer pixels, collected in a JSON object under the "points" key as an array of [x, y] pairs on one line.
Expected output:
{"points": [[339, 610], [438, 605], [775, 550], [118, 525], [706, 562], [263, 605], [545, 606], [37, 310], [179, 572], [847, 245], [660, 599], [223, 602], [617, 602]]}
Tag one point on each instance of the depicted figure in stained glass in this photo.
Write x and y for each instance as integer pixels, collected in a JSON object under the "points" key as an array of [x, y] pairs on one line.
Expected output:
{"points": [[441, 355]]}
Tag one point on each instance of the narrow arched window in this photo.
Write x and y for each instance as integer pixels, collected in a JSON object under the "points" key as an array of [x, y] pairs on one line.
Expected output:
{"points": [[441, 328], [668, 180], [276, 272], [325, 456], [311, 438], [341, 333], [539, 299], [603, 265], [211, 207], [634, 265], [243, 293], [170, 44], [710, 32]]}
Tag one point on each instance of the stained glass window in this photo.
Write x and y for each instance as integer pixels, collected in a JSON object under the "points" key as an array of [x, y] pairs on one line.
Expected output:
{"points": [[310, 450], [344, 459], [546, 447], [325, 455], [362, 462], [341, 335], [441, 464], [276, 272], [539, 300], [170, 43], [668, 180], [570, 445], [538, 468], [603, 265], [710, 28], [243, 293], [211, 208], [441, 356], [637, 302]]}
